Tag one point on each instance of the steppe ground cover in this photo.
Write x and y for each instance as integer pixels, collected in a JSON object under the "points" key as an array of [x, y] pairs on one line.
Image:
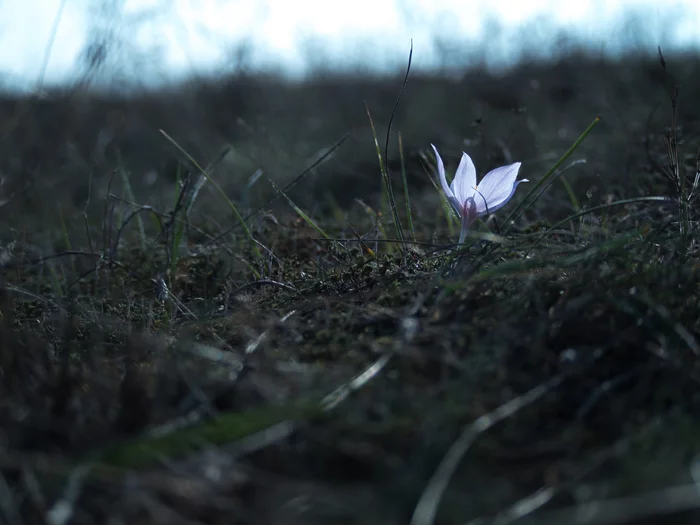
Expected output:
{"points": [[178, 347]]}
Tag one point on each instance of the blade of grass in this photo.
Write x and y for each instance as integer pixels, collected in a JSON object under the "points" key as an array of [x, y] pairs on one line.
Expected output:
{"points": [[387, 180], [66, 237], [179, 225], [323, 158], [395, 213], [364, 246], [330, 153], [427, 506], [377, 218], [301, 214], [520, 266], [232, 206], [248, 187], [570, 192], [130, 195], [203, 179], [523, 205], [604, 206], [336, 209], [406, 196], [223, 429], [191, 195], [230, 429], [55, 281]]}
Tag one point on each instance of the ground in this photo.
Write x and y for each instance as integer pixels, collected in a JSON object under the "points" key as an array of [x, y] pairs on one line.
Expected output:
{"points": [[162, 363]]}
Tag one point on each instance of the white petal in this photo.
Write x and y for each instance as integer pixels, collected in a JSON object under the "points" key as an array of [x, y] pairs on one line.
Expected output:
{"points": [[496, 188], [465, 179], [443, 179]]}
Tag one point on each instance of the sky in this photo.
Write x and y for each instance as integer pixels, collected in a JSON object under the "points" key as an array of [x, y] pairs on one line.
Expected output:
{"points": [[165, 39]]}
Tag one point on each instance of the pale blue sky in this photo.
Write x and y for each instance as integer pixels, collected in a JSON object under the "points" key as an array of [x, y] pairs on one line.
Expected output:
{"points": [[200, 34]]}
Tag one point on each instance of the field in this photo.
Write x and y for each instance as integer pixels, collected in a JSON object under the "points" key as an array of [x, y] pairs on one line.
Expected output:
{"points": [[228, 302]]}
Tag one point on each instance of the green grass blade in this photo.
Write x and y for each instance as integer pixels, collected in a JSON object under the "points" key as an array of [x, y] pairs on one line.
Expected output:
{"points": [[66, 237], [130, 195], [301, 214], [570, 192], [179, 225], [406, 196], [377, 219], [524, 204], [222, 429], [221, 192], [387, 182], [543, 263], [604, 206]]}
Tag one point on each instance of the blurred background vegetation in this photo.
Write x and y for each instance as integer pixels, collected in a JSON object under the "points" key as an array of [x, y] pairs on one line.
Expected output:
{"points": [[520, 92]]}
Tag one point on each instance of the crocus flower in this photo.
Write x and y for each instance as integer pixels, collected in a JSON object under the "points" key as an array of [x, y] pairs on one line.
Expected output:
{"points": [[472, 200]]}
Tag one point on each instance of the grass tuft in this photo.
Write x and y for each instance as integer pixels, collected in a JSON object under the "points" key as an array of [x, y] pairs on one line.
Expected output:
{"points": [[222, 193]]}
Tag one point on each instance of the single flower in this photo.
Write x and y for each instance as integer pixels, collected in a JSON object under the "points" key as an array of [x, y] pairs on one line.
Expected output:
{"points": [[472, 200]]}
